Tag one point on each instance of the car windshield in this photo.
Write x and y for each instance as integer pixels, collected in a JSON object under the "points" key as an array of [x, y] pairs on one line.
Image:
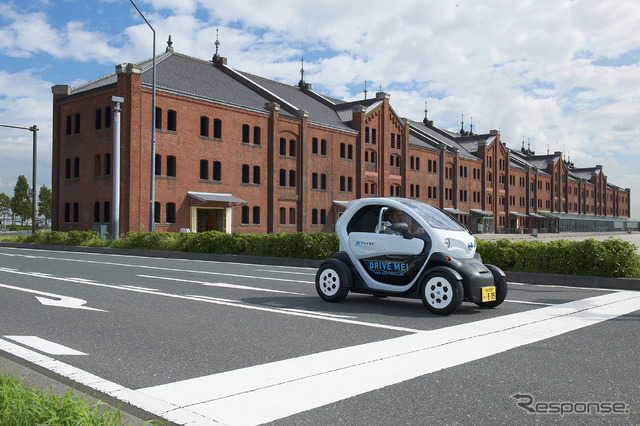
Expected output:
{"points": [[434, 217]]}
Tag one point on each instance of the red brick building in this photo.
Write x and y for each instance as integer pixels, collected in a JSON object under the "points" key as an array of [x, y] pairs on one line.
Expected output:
{"points": [[236, 152]]}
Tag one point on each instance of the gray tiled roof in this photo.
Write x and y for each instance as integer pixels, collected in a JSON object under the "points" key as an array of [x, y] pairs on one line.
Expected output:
{"points": [[189, 76], [585, 173], [428, 134], [318, 112]]}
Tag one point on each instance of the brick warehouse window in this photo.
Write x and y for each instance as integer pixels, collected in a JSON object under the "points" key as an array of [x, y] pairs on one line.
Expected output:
{"points": [[292, 216], [68, 129], [98, 120], [292, 148], [158, 166], [171, 212], [314, 146], [172, 120], [156, 212], [204, 126], [158, 118], [76, 124], [256, 175], [256, 135], [76, 167], [283, 177], [245, 133], [245, 173], [171, 165], [67, 212], [217, 171], [245, 215], [323, 147], [107, 164], [107, 117], [256, 215], [67, 168], [292, 178], [106, 215], [217, 128], [204, 169], [76, 212], [283, 146], [96, 211]]}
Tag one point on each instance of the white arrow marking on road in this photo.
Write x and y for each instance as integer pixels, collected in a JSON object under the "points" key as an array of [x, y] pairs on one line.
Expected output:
{"points": [[67, 302], [51, 299], [45, 346]]}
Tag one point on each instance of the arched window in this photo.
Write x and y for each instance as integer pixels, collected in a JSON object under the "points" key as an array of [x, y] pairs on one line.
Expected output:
{"points": [[204, 126], [217, 128]]}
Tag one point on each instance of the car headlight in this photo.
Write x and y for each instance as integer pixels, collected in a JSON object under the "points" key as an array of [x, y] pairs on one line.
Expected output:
{"points": [[447, 242]]}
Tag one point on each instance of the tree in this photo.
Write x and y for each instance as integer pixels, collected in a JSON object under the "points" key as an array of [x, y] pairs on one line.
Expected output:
{"points": [[44, 203], [22, 204], [5, 207]]}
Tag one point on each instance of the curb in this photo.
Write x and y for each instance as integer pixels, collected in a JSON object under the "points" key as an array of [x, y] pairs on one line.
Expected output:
{"points": [[521, 277]]}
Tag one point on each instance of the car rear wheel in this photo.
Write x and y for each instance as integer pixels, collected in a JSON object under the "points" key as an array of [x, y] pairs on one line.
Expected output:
{"points": [[333, 280], [441, 293]]}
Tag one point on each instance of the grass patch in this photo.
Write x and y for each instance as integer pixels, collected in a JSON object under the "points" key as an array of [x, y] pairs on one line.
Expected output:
{"points": [[20, 405]]}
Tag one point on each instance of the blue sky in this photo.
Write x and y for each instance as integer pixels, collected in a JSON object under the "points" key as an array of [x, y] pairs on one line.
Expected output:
{"points": [[561, 74]]}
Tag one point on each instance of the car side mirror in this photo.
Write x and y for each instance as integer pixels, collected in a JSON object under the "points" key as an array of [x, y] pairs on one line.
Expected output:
{"points": [[402, 228]]}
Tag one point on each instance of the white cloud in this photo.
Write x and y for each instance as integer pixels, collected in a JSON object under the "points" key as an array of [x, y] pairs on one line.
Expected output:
{"points": [[546, 70]]}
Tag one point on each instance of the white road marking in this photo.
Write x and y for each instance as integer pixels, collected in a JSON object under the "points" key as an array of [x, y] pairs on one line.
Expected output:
{"points": [[159, 268], [284, 388], [300, 313], [135, 287], [206, 299], [58, 300], [287, 272], [223, 285], [564, 287], [147, 403], [43, 345], [525, 302]]}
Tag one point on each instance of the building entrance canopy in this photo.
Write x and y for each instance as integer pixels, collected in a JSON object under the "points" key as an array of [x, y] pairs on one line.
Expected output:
{"points": [[218, 197]]}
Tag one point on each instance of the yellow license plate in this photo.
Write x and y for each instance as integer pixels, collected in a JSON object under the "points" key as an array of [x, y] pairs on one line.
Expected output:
{"points": [[488, 294]]}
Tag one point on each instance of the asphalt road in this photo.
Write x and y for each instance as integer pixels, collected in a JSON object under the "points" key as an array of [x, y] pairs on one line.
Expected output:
{"points": [[202, 342]]}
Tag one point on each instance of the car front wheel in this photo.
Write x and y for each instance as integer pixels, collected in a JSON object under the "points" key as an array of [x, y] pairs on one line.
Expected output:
{"points": [[333, 280], [441, 293]]}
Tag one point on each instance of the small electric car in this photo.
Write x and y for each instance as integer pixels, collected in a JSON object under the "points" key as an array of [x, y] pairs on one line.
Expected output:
{"points": [[406, 248]]}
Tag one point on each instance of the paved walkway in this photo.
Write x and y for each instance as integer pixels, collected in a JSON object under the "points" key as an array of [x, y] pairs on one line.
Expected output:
{"points": [[633, 238]]}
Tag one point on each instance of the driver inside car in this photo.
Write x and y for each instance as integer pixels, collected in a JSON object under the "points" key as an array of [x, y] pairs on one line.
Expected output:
{"points": [[393, 216]]}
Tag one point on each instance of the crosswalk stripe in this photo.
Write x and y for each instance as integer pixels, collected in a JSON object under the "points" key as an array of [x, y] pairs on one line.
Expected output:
{"points": [[284, 388]]}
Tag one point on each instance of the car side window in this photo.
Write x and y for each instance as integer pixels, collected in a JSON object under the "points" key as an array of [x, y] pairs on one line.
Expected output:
{"points": [[365, 220]]}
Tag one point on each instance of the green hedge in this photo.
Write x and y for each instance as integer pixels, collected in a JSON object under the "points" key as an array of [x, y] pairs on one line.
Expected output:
{"points": [[293, 245], [610, 258]]}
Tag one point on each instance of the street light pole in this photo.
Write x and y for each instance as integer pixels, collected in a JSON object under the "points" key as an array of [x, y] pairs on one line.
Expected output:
{"points": [[33, 129], [115, 221], [152, 186]]}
